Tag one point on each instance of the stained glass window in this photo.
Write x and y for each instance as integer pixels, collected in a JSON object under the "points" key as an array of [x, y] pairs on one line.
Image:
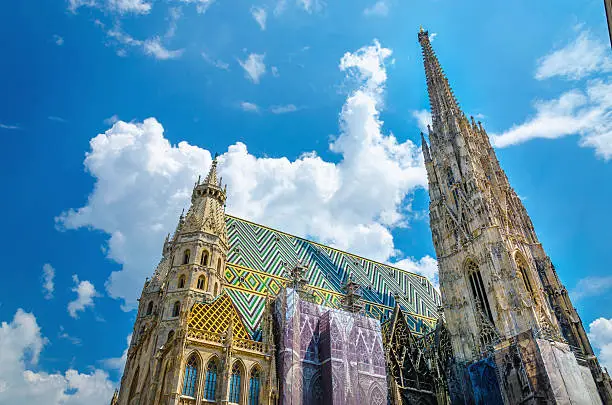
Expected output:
{"points": [[191, 376], [254, 388], [210, 390], [234, 395]]}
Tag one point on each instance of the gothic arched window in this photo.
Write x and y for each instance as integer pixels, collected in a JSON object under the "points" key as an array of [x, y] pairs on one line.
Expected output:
{"points": [[201, 282], [191, 376], [234, 395], [186, 256], [523, 273], [204, 259], [150, 308], [216, 288], [176, 309], [210, 389], [181, 282], [254, 384], [218, 264], [170, 336], [478, 290], [133, 385]]}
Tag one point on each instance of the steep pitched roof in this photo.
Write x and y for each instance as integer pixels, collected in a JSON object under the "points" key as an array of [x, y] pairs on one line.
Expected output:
{"points": [[259, 258]]}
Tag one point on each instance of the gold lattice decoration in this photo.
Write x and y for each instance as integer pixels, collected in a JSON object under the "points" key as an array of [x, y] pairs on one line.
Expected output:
{"points": [[217, 316]]}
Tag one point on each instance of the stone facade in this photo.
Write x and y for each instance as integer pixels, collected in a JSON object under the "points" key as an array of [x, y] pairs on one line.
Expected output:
{"points": [[238, 317], [495, 278]]}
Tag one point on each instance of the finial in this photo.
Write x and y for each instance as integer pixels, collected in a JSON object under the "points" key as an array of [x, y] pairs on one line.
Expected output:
{"points": [[421, 29]]}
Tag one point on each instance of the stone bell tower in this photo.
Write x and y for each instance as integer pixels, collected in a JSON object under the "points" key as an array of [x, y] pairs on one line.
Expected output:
{"points": [[190, 271], [495, 278]]}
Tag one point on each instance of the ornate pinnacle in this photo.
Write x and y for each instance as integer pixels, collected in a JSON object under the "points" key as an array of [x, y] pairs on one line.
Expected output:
{"points": [[426, 154], [212, 174]]}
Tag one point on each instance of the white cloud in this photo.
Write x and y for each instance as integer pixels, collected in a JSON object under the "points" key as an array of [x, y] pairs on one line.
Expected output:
{"points": [[59, 41], [274, 71], [587, 113], [74, 5], [85, 294], [282, 109], [380, 8], [143, 182], [21, 343], [7, 126], [423, 118], [578, 59], [48, 285], [254, 66], [129, 6], [118, 363], [174, 14], [56, 119], [600, 335], [426, 266], [201, 5], [260, 15], [152, 46], [72, 339], [311, 5], [251, 107], [591, 287], [215, 62], [432, 36]]}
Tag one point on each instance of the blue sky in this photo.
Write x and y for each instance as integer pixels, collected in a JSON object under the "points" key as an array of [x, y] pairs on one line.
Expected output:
{"points": [[110, 109]]}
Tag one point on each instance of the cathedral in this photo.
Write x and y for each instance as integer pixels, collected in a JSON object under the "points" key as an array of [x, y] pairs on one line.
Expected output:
{"points": [[239, 313]]}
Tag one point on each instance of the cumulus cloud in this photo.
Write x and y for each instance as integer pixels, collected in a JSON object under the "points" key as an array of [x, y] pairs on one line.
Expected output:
{"points": [[578, 59], [260, 15], [85, 294], [254, 67], [21, 343], [423, 118], [310, 6], [48, 285], [380, 8], [600, 335], [251, 107], [585, 110], [129, 6], [142, 183]]}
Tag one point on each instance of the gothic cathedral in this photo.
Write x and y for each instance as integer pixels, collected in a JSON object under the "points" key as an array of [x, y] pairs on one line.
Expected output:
{"points": [[239, 313]]}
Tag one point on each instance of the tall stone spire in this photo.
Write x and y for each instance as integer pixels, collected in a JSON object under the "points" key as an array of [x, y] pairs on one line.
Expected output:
{"points": [[489, 256], [441, 97]]}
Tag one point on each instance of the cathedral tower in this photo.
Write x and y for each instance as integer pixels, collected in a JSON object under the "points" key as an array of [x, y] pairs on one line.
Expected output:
{"points": [[495, 278]]}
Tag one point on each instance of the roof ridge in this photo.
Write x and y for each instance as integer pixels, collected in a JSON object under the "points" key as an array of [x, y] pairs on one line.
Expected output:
{"points": [[332, 248]]}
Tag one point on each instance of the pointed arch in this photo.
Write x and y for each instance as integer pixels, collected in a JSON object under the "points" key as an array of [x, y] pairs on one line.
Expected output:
{"points": [[201, 283], [212, 371], [216, 289], [479, 294], [149, 308], [236, 382], [524, 273], [254, 385], [170, 336], [190, 377], [219, 264], [204, 258], [181, 281], [134, 385], [176, 309], [186, 256]]}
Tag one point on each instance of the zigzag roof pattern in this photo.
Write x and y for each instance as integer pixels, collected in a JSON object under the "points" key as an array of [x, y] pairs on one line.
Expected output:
{"points": [[259, 258]]}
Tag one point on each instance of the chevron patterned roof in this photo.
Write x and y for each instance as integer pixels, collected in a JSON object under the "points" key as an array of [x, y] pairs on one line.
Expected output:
{"points": [[260, 257]]}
